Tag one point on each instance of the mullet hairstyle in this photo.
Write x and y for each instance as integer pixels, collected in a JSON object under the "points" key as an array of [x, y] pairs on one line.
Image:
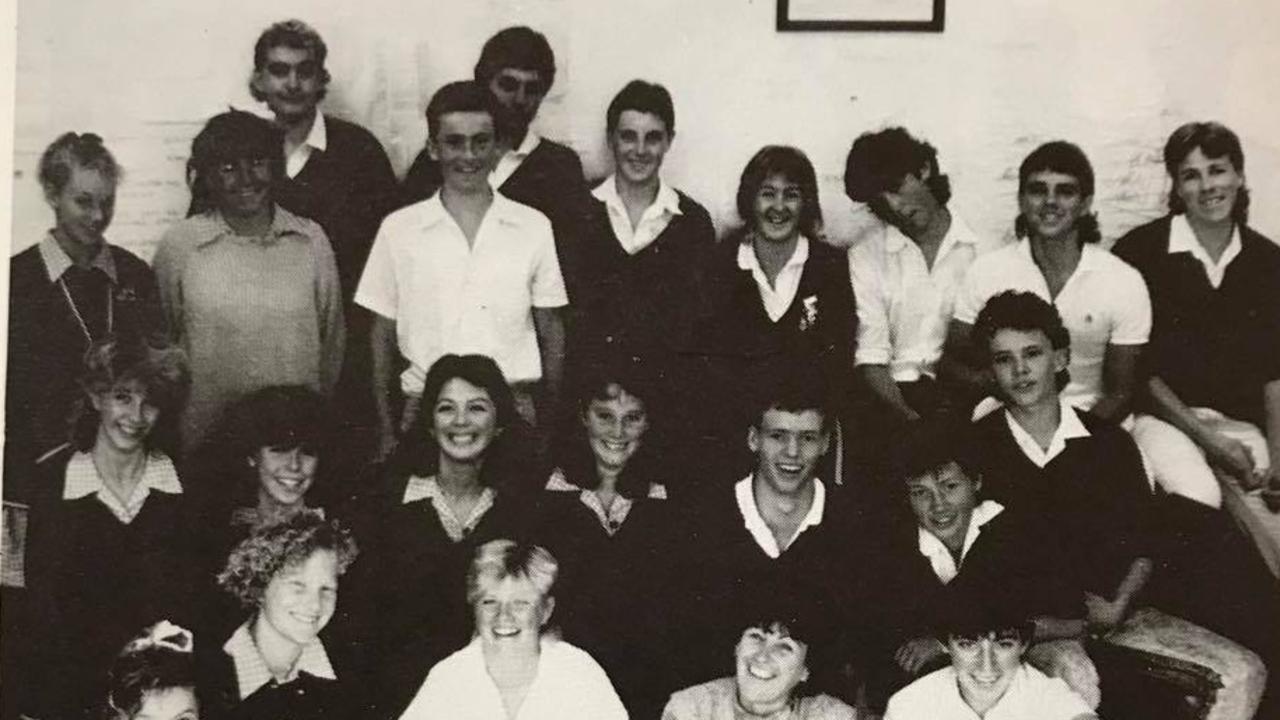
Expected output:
{"points": [[1215, 140], [878, 163], [1067, 158], [500, 559], [645, 97]]}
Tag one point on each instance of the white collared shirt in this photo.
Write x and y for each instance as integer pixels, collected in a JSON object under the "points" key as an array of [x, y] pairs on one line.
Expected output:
{"points": [[448, 296], [57, 261], [1104, 302], [457, 528], [1069, 427], [252, 671], [944, 565], [317, 139], [1183, 239], [904, 306], [778, 296], [511, 159], [652, 222], [612, 518], [754, 522], [82, 480]]}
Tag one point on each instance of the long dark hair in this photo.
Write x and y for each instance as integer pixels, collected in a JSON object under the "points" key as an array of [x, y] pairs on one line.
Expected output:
{"points": [[419, 453], [579, 462]]}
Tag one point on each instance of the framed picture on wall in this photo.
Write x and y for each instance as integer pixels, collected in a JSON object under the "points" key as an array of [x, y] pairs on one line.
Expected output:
{"points": [[863, 15]]}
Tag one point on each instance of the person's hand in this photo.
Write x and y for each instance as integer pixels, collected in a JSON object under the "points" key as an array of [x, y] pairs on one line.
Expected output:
{"points": [[916, 653], [1235, 457], [1102, 615]]}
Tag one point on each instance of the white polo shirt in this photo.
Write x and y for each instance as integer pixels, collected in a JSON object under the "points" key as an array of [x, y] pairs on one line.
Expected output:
{"points": [[653, 220], [1104, 302], [448, 297], [904, 306]]}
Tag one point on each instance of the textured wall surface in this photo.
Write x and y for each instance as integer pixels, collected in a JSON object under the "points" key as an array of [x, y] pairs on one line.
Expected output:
{"points": [[1115, 77]]}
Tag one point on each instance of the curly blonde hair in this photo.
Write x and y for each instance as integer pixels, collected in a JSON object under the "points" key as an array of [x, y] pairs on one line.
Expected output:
{"points": [[276, 547]]}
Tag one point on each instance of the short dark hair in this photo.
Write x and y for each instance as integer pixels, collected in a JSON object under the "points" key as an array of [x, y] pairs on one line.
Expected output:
{"points": [[459, 96], [230, 136], [159, 367], [75, 150], [294, 34], [279, 546], [1067, 158], [800, 390], [879, 161], [149, 665], [419, 454], [928, 446], [1025, 312], [1215, 140], [803, 617], [974, 613], [516, 47], [282, 416], [793, 164], [645, 97]]}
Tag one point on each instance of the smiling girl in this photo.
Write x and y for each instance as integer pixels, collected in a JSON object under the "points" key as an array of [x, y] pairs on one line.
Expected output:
{"points": [[109, 549]]}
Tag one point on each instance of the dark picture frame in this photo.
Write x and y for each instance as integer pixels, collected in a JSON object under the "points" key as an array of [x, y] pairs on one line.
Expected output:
{"points": [[788, 21]]}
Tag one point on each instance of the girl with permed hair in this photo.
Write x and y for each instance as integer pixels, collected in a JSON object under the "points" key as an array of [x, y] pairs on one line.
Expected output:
{"points": [[277, 663], [250, 289], [110, 544], [778, 300]]}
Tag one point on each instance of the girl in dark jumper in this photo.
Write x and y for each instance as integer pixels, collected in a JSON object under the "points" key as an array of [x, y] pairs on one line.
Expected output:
{"points": [[109, 549]]}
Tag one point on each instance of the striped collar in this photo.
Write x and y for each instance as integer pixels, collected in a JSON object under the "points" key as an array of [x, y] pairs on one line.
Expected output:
{"points": [[82, 480], [611, 519], [251, 668]]}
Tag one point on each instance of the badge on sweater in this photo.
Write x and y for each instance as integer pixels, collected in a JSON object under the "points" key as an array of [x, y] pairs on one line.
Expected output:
{"points": [[809, 312]]}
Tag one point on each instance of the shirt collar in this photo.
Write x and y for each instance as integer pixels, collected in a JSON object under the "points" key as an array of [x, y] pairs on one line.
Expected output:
{"points": [[1090, 256], [527, 146], [432, 211], [83, 480], [1070, 427], [420, 488], [754, 522], [283, 223], [667, 200], [944, 565], [1183, 239], [318, 138], [57, 261], [251, 668], [959, 233], [747, 259]]}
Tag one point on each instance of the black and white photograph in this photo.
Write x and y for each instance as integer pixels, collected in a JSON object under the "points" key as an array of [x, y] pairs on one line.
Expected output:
{"points": [[717, 360]]}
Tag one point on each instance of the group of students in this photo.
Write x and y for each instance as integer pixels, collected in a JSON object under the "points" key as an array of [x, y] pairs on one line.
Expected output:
{"points": [[567, 453]]}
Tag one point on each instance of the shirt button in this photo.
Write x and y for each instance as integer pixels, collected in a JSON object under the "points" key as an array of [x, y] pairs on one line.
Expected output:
{"points": [[614, 525]]}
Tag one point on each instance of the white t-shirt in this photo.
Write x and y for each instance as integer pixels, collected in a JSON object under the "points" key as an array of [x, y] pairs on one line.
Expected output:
{"points": [[1104, 302], [448, 297], [1031, 696], [904, 306]]}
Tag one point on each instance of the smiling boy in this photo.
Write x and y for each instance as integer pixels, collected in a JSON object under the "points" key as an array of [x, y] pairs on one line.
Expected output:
{"points": [[464, 271], [987, 677]]}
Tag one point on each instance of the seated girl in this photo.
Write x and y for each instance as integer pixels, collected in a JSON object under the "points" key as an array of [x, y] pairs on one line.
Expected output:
{"points": [[110, 547], [276, 663], [606, 517], [154, 677], [775, 661], [514, 667], [987, 676]]}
